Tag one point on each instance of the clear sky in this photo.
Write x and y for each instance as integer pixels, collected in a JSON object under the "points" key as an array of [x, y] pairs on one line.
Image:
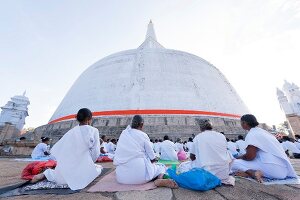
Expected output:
{"points": [[46, 45]]}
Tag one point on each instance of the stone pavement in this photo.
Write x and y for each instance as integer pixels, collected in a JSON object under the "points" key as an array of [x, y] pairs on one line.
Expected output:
{"points": [[243, 190]]}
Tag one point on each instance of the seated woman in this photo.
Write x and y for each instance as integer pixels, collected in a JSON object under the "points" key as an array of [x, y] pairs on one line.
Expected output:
{"points": [[75, 154], [168, 150], [135, 159], [42, 150], [180, 149], [209, 151], [264, 156]]}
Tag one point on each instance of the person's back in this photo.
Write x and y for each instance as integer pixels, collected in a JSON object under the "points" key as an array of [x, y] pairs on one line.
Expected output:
{"points": [[39, 151], [75, 154], [211, 147], [168, 151]]}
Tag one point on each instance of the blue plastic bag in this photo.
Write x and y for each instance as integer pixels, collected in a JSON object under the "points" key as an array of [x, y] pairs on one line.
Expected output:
{"points": [[195, 179]]}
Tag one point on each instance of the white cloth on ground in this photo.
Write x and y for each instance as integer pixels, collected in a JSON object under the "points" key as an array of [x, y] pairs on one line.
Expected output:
{"points": [[133, 158], [76, 153], [210, 149], [270, 153], [168, 151]]}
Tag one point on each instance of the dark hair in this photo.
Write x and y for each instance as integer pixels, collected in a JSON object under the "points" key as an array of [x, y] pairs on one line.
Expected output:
{"points": [[297, 136], [240, 137], [222, 133], [160, 140], [190, 139], [45, 139], [113, 140], [166, 137], [137, 121], [84, 114], [286, 138], [250, 120], [156, 140], [103, 136]]}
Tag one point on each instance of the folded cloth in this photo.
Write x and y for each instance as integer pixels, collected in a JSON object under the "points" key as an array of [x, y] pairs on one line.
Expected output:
{"points": [[37, 167], [104, 159]]}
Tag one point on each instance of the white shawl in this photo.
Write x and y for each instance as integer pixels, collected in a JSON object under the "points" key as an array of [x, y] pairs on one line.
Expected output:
{"points": [[75, 153]]}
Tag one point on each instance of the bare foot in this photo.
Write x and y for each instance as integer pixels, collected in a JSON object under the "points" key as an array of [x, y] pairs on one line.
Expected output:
{"points": [[169, 183], [241, 174], [38, 178], [258, 176]]}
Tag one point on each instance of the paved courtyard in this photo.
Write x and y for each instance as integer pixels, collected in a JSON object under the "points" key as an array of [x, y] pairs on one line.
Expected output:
{"points": [[243, 190]]}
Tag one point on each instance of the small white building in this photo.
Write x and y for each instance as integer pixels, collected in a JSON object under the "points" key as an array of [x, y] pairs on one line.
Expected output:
{"points": [[289, 100], [15, 111]]}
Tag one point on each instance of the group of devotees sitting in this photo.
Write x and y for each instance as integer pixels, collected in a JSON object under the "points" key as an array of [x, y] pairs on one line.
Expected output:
{"points": [[136, 157]]}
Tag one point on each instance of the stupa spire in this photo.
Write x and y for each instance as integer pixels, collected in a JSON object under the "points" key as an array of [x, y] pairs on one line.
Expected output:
{"points": [[150, 31]]}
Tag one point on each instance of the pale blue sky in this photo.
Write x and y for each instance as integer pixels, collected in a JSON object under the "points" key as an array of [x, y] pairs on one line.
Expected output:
{"points": [[45, 45]]}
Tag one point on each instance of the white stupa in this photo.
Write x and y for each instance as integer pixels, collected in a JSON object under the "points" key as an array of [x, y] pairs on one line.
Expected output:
{"points": [[151, 80], [171, 89], [15, 111]]}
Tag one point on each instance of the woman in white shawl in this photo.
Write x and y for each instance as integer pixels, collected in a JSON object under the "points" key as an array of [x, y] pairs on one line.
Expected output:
{"points": [[135, 159], [76, 153], [264, 156]]}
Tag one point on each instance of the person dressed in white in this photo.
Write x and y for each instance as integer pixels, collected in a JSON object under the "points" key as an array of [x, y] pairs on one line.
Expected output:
{"points": [[135, 159], [180, 150], [297, 141], [290, 147], [75, 154], [264, 156], [179, 145], [42, 150], [103, 145], [189, 144], [168, 150], [156, 146], [241, 145], [111, 146], [209, 151], [232, 147]]}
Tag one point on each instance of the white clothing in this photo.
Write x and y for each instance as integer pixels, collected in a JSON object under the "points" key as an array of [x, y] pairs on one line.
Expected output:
{"points": [[179, 146], [270, 154], [168, 151], [133, 158], [39, 151], [232, 148], [241, 145], [110, 148], [268, 170], [156, 147], [76, 153], [288, 145], [297, 144], [210, 149], [189, 145]]}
